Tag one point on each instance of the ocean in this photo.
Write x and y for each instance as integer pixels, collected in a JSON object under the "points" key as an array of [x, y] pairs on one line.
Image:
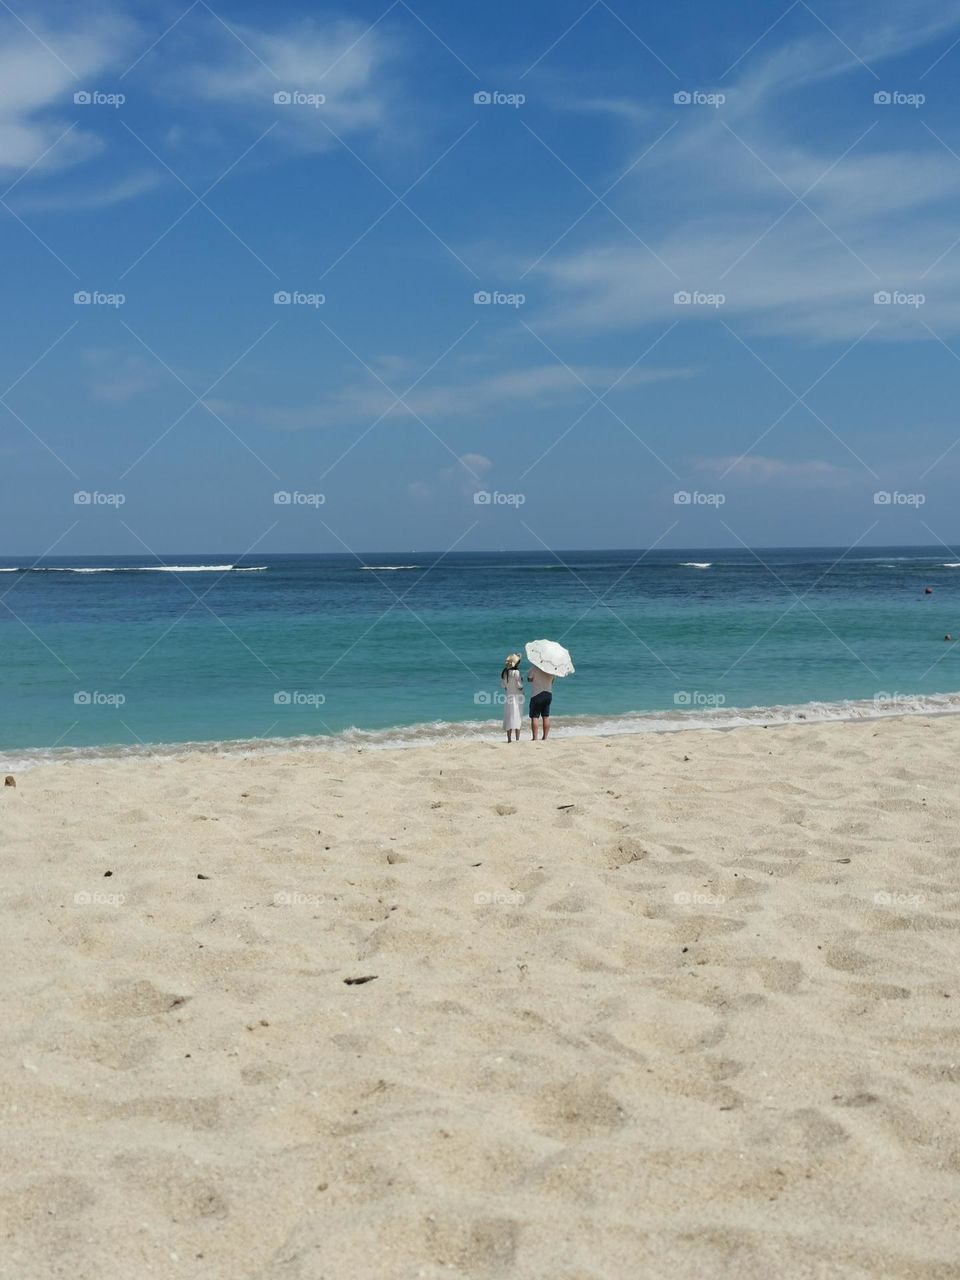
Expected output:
{"points": [[108, 655]]}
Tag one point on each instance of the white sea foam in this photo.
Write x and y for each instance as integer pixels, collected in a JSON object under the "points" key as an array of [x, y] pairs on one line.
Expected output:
{"points": [[696, 564], [440, 732], [147, 568], [389, 568]]}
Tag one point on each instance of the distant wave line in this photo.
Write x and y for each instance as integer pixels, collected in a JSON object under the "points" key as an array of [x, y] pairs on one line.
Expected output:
{"points": [[140, 568]]}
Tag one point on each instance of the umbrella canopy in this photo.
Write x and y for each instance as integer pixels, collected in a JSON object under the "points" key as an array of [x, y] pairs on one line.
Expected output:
{"points": [[550, 657]]}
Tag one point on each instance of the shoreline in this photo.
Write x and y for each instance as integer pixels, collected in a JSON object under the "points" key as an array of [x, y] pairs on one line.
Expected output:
{"points": [[442, 733]]}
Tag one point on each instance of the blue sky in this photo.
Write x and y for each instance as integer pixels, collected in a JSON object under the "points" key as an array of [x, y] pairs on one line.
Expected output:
{"points": [[783, 197]]}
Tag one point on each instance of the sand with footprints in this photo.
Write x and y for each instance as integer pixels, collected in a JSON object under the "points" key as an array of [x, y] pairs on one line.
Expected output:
{"points": [[660, 1005]]}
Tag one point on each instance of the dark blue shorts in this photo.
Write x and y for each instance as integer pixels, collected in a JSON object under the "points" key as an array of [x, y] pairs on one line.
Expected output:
{"points": [[540, 705]]}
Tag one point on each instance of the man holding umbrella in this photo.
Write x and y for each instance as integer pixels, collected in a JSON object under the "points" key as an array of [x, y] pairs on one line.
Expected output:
{"points": [[547, 661]]}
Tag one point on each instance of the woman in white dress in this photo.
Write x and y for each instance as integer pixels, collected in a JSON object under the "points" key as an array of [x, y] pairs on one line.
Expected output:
{"points": [[513, 695]]}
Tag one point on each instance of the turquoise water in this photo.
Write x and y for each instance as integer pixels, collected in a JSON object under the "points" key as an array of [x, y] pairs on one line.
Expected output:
{"points": [[118, 652]]}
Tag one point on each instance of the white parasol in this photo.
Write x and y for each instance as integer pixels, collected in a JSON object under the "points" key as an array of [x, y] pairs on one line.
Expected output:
{"points": [[550, 657]]}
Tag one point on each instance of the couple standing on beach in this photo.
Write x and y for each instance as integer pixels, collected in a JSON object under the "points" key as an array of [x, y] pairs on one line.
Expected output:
{"points": [[540, 699]]}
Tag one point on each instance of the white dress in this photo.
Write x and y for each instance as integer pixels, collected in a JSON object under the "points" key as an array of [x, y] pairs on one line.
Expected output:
{"points": [[513, 698]]}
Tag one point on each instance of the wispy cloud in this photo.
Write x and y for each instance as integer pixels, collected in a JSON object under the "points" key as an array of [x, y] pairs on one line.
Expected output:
{"points": [[91, 195], [40, 70], [117, 377], [796, 235], [456, 480], [543, 384], [216, 80], [346, 62], [758, 469]]}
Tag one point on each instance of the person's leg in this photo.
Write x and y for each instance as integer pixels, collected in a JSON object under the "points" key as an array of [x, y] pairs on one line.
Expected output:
{"points": [[533, 728], [546, 727]]}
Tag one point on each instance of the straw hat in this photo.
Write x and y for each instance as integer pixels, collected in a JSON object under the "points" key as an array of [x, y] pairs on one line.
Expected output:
{"points": [[512, 660]]}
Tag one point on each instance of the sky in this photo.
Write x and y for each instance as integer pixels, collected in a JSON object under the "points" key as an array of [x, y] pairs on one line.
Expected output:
{"points": [[422, 276]]}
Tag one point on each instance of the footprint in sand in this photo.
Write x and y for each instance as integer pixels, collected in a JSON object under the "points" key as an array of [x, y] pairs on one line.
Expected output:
{"points": [[44, 1201], [577, 1109], [623, 851], [847, 959], [133, 1000], [486, 1246]]}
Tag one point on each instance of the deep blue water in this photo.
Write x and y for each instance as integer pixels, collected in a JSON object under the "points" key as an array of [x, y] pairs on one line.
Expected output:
{"points": [[316, 645]]}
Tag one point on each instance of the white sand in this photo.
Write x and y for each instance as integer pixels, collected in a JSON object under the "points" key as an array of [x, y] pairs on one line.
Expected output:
{"points": [[681, 1040]]}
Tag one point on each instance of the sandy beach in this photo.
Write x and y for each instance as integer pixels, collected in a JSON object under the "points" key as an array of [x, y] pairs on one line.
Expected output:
{"points": [[678, 1005]]}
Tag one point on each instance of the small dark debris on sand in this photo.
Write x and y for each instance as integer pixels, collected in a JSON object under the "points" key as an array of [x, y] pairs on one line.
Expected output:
{"points": [[358, 982]]}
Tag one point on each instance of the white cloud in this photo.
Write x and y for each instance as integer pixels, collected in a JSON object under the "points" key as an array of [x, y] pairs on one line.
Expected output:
{"points": [[43, 132], [345, 61], [91, 196], [455, 480], [757, 469], [714, 198], [116, 377], [476, 462], [39, 74], [545, 384]]}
